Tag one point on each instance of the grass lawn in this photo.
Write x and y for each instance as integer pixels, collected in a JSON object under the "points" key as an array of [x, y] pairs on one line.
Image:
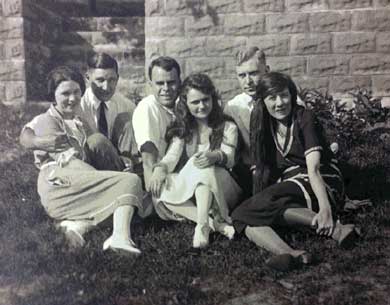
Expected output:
{"points": [[37, 267]]}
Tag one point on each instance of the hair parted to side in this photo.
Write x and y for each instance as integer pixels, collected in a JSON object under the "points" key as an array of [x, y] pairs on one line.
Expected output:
{"points": [[185, 124], [248, 53], [62, 74], [261, 142], [102, 61], [165, 62]]}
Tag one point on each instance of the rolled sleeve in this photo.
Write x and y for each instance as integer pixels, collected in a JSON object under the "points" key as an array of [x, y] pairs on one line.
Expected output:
{"points": [[146, 126], [229, 143]]}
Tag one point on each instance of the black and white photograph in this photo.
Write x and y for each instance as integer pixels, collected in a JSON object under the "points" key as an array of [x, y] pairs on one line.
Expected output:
{"points": [[194, 152]]}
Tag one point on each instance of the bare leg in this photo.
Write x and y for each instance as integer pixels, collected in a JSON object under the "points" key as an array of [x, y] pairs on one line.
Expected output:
{"points": [[120, 239], [268, 239], [343, 234], [204, 198], [299, 216], [188, 210]]}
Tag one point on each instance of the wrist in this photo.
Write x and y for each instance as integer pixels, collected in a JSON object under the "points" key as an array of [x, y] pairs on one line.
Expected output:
{"points": [[160, 167]]}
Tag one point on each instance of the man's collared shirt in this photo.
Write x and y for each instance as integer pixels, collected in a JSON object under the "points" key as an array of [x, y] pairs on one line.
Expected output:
{"points": [[90, 109], [150, 123], [240, 108]]}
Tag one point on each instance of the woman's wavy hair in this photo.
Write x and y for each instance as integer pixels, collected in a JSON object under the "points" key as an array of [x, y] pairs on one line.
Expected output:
{"points": [[185, 124], [62, 74], [261, 142]]}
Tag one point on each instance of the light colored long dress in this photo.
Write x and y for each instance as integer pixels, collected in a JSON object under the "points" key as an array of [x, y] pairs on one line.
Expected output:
{"points": [[181, 185], [72, 189]]}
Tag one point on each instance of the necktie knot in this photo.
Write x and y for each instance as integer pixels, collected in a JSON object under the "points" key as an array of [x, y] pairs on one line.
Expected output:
{"points": [[102, 121]]}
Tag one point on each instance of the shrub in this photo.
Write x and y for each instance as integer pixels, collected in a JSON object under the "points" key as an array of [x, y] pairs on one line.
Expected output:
{"points": [[362, 133]]}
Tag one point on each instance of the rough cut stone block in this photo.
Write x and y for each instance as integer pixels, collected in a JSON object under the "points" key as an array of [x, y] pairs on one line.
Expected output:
{"points": [[11, 28], [354, 42], [310, 5], [181, 7], [244, 24], [12, 7], [381, 85], [164, 26], [227, 88], [288, 65], [328, 65], [15, 92], [204, 26], [2, 89], [287, 23], [315, 83], [303, 44], [346, 84], [383, 42], [79, 24], [370, 64], [225, 6], [185, 47], [12, 70], [153, 7], [381, 3], [154, 48], [376, 20], [134, 25], [349, 4], [14, 49], [330, 22], [214, 67], [2, 51], [260, 6], [272, 45], [130, 72], [224, 46]]}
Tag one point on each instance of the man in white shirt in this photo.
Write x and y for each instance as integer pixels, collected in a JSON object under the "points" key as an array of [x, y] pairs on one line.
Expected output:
{"points": [[108, 114], [154, 113], [250, 67]]}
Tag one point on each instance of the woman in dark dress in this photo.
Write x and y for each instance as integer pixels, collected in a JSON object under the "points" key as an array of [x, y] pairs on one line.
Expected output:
{"points": [[296, 180]]}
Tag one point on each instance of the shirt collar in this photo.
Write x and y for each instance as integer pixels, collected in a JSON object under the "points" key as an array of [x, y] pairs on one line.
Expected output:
{"points": [[95, 101], [166, 109]]}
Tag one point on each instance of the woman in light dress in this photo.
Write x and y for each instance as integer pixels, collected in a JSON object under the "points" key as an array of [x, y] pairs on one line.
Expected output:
{"points": [[72, 192], [201, 151]]}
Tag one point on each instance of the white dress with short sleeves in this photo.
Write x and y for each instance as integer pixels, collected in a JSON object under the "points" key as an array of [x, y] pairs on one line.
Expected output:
{"points": [[181, 186]]}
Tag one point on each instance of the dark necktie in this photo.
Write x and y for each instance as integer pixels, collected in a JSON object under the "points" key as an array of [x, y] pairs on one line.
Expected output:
{"points": [[102, 121]]}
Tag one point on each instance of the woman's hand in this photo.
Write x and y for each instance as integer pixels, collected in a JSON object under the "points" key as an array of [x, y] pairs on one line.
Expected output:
{"points": [[205, 159], [159, 177], [323, 221]]}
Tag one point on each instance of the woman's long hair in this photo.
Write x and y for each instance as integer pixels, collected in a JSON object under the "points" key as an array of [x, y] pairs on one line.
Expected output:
{"points": [[263, 149], [185, 124]]}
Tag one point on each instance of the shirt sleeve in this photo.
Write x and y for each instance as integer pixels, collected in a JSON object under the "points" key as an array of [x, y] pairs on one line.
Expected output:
{"points": [[173, 154], [146, 126], [310, 131], [229, 143], [32, 124]]}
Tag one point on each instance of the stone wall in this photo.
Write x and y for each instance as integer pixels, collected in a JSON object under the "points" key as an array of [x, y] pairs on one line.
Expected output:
{"points": [[12, 62], [37, 35], [331, 45], [112, 26]]}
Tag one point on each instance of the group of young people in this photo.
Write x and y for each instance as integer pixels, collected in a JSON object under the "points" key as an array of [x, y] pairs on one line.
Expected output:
{"points": [[242, 167]]}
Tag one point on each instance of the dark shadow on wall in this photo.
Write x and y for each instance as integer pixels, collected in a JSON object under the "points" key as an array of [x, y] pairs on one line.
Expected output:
{"points": [[201, 8]]}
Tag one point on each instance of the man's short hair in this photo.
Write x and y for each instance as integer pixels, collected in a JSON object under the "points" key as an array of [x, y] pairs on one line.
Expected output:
{"points": [[165, 62], [249, 53], [102, 61]]}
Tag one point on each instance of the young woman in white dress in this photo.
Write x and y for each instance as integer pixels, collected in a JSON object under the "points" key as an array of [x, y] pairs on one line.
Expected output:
{"points": [[201, 150]]}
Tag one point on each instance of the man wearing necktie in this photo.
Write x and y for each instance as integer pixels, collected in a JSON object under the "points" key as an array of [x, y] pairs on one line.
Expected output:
{"points": [[250, 67], [108, 113]]}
